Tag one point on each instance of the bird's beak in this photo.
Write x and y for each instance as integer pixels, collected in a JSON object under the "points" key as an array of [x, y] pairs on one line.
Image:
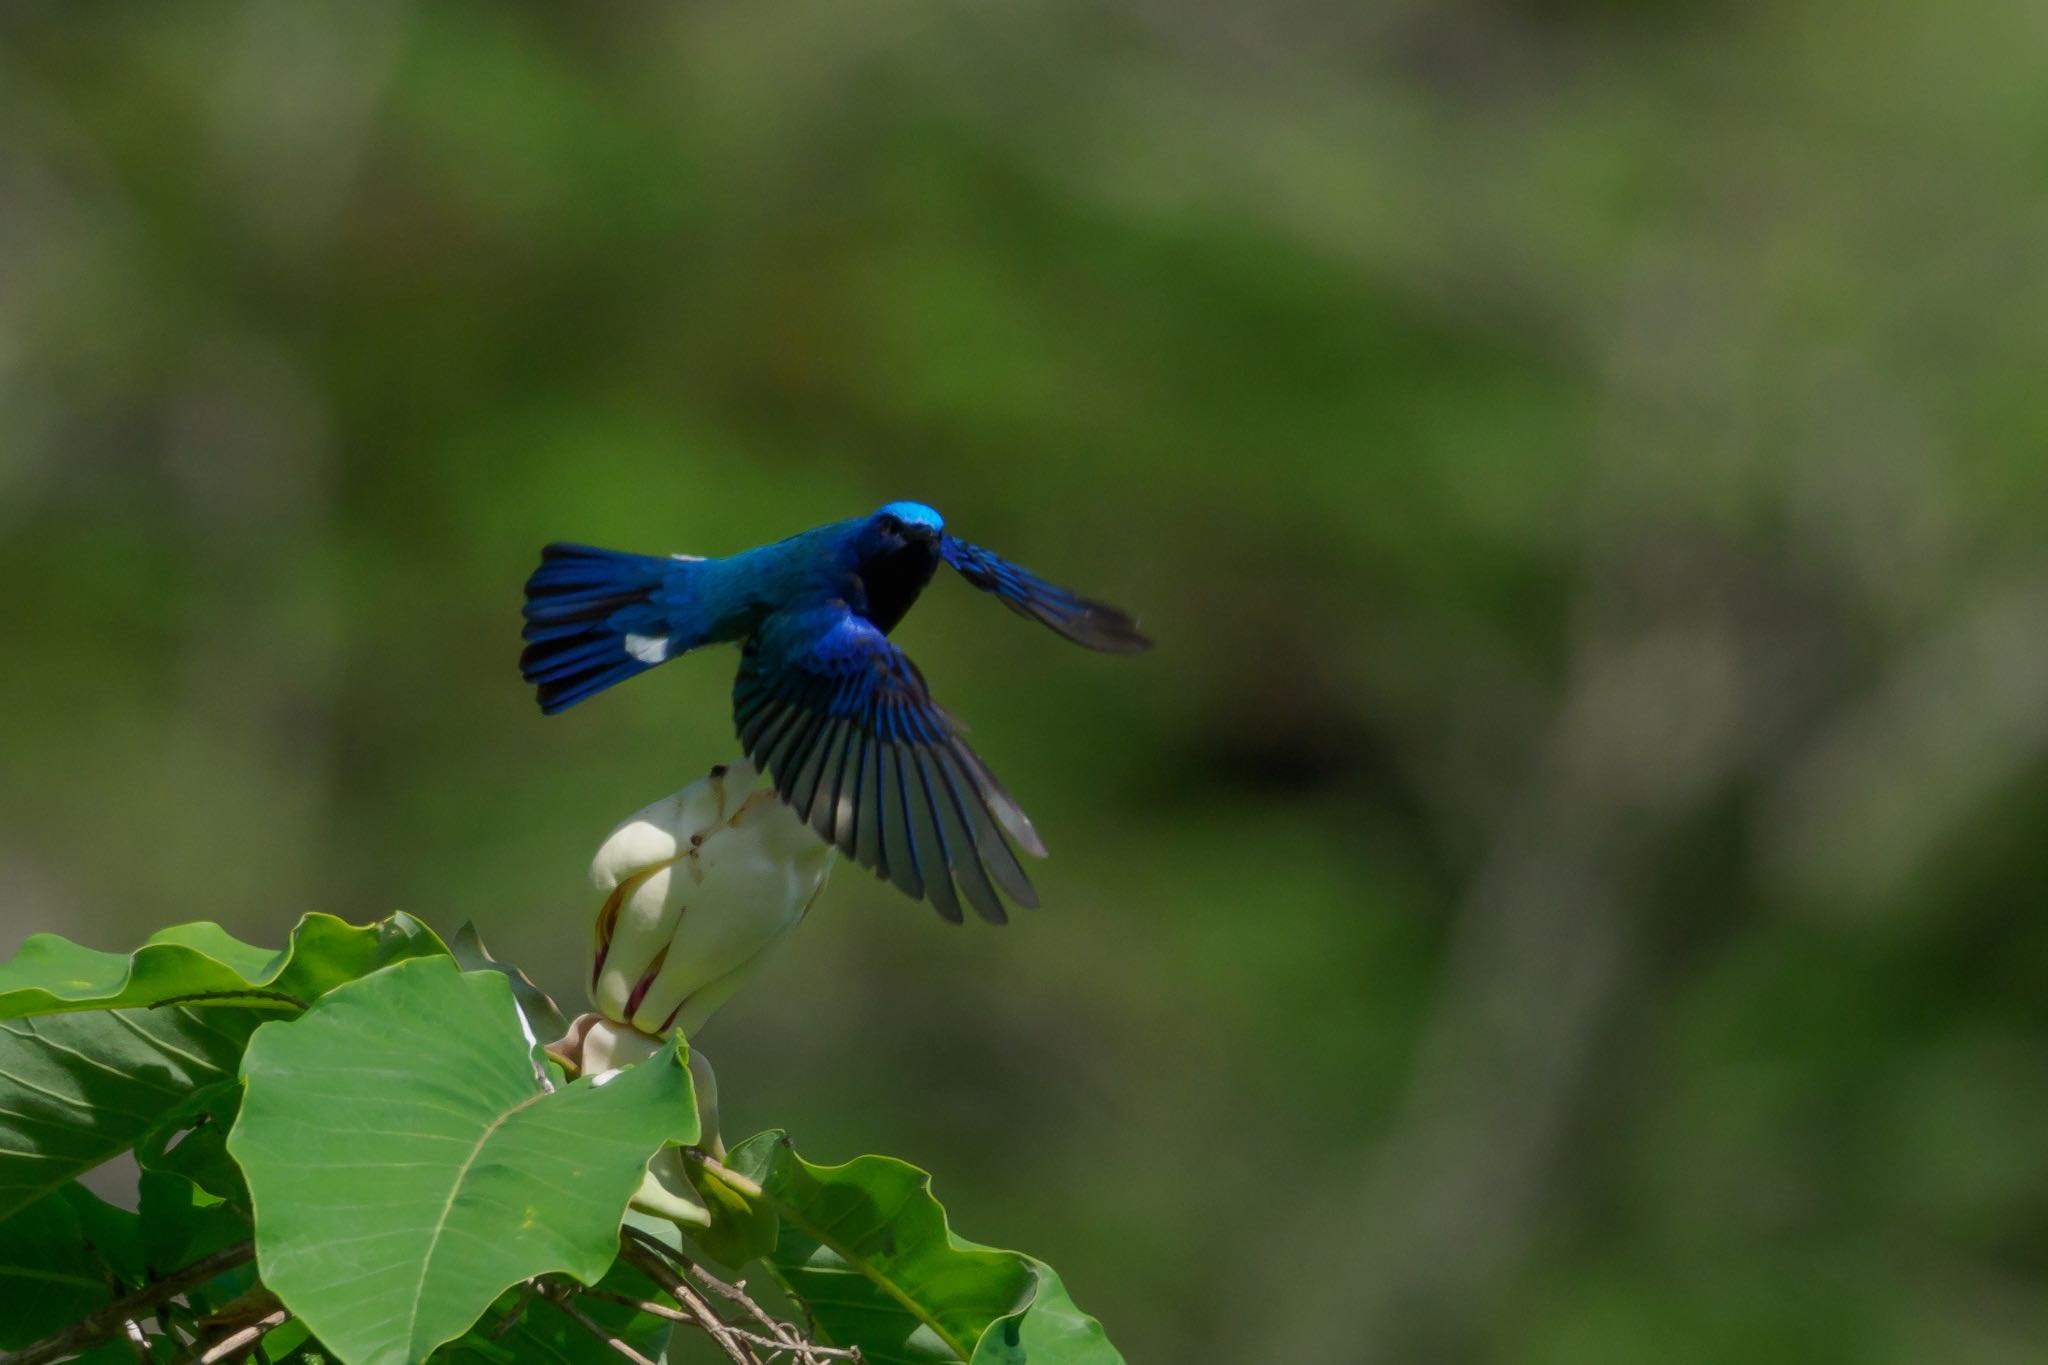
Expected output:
{"points": [[921, 533]]}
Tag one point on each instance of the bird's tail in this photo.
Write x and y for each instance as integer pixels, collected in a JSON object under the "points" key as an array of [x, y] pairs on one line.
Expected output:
{"points": [[591, 621]]}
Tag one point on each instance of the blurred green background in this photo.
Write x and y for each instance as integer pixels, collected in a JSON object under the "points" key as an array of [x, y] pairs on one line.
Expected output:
{"points": [[1568, 885]]}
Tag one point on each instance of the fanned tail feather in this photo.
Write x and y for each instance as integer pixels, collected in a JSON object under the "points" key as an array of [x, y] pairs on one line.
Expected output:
{"points": [[591, 622]]}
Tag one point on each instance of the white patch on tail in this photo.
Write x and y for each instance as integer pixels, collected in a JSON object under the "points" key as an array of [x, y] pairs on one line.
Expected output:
{"points": [[648, 649]]}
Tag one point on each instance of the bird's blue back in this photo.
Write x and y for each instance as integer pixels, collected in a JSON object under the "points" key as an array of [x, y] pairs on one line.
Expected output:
{"points": [[722, 600]]}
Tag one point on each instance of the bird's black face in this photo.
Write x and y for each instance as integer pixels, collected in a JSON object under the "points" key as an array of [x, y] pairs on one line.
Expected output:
{"points": [[897, 559]]}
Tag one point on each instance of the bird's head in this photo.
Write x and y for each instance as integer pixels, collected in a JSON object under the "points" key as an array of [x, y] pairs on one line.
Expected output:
{"points": [[898, 524]]}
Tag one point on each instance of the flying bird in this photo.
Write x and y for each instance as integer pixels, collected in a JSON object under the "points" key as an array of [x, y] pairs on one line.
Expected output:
{"points": [[838, 716]]}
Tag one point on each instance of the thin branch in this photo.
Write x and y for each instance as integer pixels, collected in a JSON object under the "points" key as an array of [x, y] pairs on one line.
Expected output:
{"points": [[805, 1350], [787, 1335], [655, 1245], [658, 1270], [565, 1301], [752, 1191], [783, 1340], [659, 1310], [235, 1343], [257, 1303], [736, 1291], [114, 1317], [630, 1236], [685, 1266]]}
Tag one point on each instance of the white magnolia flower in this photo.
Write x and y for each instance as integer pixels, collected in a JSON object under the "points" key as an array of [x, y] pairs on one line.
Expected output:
{"points": [[698, 887]]}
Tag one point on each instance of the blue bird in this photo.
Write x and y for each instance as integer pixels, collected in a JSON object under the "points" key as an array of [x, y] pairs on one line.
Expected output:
{"points": [[836, 714]]}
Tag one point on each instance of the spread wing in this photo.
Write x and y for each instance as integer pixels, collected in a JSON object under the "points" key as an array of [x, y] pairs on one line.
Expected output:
{"points": [[844, 723], [1094, 624]]}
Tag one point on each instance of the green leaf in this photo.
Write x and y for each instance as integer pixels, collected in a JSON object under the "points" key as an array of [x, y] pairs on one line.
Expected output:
{"points": [[865, 1249], [1049, 1328], [407, 1167], [50, 1275], [91, 1077], [112, 1232], [76, 1089], [62, 1257], [52, 974]]}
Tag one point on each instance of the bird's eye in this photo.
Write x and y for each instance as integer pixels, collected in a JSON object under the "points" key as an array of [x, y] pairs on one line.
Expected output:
{"points": [[892, 524]]}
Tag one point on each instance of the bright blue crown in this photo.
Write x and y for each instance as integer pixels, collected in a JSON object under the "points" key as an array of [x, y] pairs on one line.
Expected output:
{"points": [[915, 514]]}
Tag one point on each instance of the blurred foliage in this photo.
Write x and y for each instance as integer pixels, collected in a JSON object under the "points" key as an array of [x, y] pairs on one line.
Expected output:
{"points": [[1567, 886]]}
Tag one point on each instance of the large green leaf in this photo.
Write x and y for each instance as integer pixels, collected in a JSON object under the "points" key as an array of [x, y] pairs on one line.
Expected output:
{"points": [[407, 1167], [51, 1272], [865, 1248], [76, 1089], [52, 974], [85, 1081]]}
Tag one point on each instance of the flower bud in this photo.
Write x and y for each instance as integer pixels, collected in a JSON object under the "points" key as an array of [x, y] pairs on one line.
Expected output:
{"points": [[698, 886]]}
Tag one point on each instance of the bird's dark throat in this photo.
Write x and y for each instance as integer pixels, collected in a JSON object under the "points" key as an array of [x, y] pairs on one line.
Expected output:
{"points": [[894, 580]]}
